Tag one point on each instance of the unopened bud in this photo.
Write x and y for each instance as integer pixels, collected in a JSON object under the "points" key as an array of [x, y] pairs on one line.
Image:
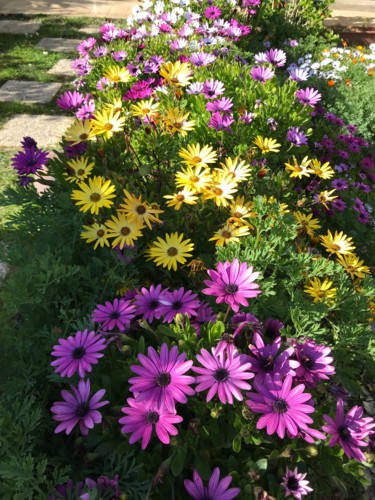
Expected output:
{"points": [[312, 451]]}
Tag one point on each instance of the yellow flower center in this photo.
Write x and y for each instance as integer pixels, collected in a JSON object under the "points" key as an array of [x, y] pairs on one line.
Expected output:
{"points": [[146, 110], [116, 78], [180, 197], [108, 126], [125, 231], [237, 215], [83, 137], [172, 251], [178, 125], [194, 178], [335, 247], [95, 197], [218, 191], [174, 80]]}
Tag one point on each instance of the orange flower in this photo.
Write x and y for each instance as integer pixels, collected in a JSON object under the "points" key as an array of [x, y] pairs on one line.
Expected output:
{"points": [[359, 47], [371, 72], [331, 83], [344, 43], [363, 59], [354, 61], [348, 82]]}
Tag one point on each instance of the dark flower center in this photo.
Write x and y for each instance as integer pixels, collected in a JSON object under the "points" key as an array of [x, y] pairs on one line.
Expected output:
{"points": [[163, 379], [31, 162], [221, 375], [78, 353], [307, 362], [95, 197], [293, 483], [177, 305], [210, 92], [82, 410], [114, 315], [231, 288], [153, 304], [152, 417], [280, 406], [343, 432], [267, 364], [141, 209], [172, 251], [125, 231]]}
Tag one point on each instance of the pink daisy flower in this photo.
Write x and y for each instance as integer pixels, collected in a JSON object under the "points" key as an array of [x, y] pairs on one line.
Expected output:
{"points": [[295, 484], [142, 417], [232, 283], [161, 379], [217, 489], [178, 302], [148, 303], [284, 408], [77, 353], [223, 373]]}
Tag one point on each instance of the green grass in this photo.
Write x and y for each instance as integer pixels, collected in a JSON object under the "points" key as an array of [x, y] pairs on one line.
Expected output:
{"points": [[8, 178]]}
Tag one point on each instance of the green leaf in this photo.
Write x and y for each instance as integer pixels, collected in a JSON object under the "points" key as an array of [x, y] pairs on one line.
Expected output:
{"points": [[261, 464], [236, 444], [178, 462]]}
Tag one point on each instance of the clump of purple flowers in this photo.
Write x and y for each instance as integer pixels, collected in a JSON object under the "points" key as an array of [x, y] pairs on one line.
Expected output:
{"points": [[29, 161]]}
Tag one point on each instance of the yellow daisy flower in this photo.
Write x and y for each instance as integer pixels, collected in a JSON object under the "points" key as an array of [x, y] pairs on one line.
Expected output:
{"points": [[178, 74], [228, 233], [106, 122], [195, 156], [324, 171], [221, 189], [116, 105], [283, 207], [117, 74], [145, 108], [325, 197], [267, 144], [124, 230], [176, 200], [176, 122], [236, 169], [306, 223], [78, 132], [95, 195], [139, 211], [97, 233], [299, 169], [337, 244], [320, 291], [195, 178], [170, 251], [353, 266], [78, 169]]}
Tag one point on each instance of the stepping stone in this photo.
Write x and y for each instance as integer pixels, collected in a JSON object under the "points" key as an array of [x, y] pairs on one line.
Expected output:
{"points": [[90, 30], [19, 27], [47, 130], [62, 68], [28, 92], [58, 44]]}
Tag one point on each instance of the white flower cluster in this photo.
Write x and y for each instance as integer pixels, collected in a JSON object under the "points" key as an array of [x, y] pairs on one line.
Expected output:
{"points": [[333, 62]]}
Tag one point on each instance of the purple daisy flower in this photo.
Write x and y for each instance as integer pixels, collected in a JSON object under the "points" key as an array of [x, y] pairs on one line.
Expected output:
{"points": [[298, 74], [103, 484], [246, 323], [85, 46], [77, 353], [201, 58], [222, 105], [261, 73], [29, 161], [205, 314], [212, 12], [67, 490], [283, 406], [195, 88], [78, 408], [212, 89], [264, 359], [232, 283], [296, 137], [315, 363], [295, 484], [28, 142], [70, 100], [119, 55], [217, 489], [308, 97], [339, 184], [86, 111], [349, 430], [272, 328], [178, 302], [247, 117], [148, 303], [221, 122], [223, 373], [142, 417], [114, 315], [161, 379]]}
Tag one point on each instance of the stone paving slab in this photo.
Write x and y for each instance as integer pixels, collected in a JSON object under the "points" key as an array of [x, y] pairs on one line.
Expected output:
{"points": [[63, 67], [19, 27], [58, 44], [47, 130], [28, 92], [90, 30]]}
